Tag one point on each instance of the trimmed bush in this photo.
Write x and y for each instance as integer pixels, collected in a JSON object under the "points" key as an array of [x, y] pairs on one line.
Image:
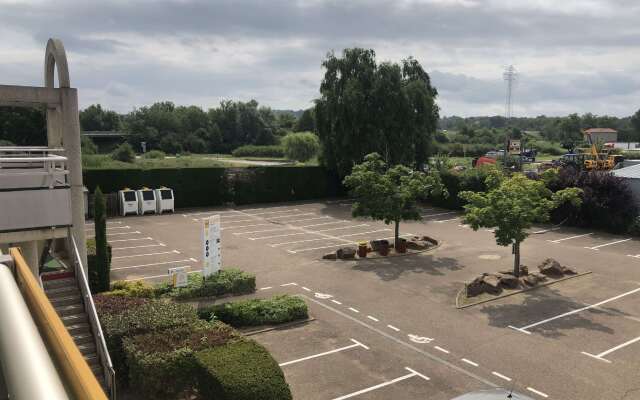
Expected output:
{"points": [[301, 146], [158, 358], [124, 153], [240, 370], [155, 155], [131, 289], [226, 281], [143, 317], [277, 310], [258, 151], [92, 263]]}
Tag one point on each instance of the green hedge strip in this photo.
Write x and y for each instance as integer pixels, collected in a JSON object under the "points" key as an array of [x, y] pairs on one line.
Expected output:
{"points": [[254, 312]]}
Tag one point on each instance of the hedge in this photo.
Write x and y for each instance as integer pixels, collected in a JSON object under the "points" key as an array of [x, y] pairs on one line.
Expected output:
{"points": [[456, 182], [122, 317], [163, 364], [240, 370], [258, 151], [225, 281], [92, 263], [139, 289], [277, 310], [205, 187]]}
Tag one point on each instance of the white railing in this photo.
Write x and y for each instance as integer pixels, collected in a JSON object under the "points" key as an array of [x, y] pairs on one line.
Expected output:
{"points": [[29, 167], [94, 321]]}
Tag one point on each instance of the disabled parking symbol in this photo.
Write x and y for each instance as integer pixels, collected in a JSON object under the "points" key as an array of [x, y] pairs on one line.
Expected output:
{"points": [[419, 339], [323, 296]]}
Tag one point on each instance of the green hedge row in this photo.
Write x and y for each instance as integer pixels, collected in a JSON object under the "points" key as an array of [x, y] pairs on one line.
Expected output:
{"points": [[458, 181], [254, 312], [225, 281], [204, 187], [258, 151]]}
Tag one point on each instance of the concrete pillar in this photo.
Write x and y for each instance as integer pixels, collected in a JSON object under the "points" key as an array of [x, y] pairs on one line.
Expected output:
{"points": [[71, 142], [31, 255], [54, 128]]}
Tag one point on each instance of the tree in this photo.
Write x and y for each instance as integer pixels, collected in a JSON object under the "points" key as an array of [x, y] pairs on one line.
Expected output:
{"points": [[94, 118], [570, 132], [101, 269], [511, 206], [301, 146], [390, 194], [635, 124], [87, 146], [23, 126], [124, 153], [364, 107], [306, 122]]}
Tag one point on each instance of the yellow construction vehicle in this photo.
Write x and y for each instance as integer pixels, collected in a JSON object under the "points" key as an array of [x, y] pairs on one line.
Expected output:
{"points": [[601, 161]]}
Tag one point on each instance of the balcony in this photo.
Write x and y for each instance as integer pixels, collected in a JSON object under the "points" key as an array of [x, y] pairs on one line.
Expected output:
{"points": [[34, 189]]}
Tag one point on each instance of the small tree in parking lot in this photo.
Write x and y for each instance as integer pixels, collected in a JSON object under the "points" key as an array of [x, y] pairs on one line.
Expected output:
{"points": [[390, 194], [99, 272], [511, 206]]}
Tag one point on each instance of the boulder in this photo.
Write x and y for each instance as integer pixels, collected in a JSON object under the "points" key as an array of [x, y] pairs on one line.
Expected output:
{"points": [[430, 240], [475, 287], [376, 245], [330, 256], [346, 253], [485, 283], [492, 282], [509, 281], [534, 279], [551, 267]]}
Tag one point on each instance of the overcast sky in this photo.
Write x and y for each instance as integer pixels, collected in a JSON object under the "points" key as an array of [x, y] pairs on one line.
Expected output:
{"points": [[571, 55]]}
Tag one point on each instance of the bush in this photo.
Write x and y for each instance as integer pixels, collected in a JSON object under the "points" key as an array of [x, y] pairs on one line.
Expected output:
{"points": [[155, 155], [92, 264], [547, 147], [301, 146], [277, 310], [156, 358], [240, 370], [143, 316], [87, 146], [100, 269], [124, 153], [226, 281], [258, 151], [455, 182], [132, 289]]}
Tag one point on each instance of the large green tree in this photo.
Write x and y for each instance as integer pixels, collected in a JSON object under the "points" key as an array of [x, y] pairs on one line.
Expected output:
{"points": [[23, 126], [511, 206], [301, 146], [95, 118], [570, 131], [390, 194], [367, 107]]}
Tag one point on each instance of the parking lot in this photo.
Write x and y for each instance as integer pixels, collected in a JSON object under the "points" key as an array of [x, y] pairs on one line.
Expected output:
{"points": [[400, 311]]}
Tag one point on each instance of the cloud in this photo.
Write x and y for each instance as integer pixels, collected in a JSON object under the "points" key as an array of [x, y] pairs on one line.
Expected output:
{"points": [[573, 56]]}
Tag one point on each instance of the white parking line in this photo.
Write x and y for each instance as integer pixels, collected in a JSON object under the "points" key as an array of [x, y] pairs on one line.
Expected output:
{"points": [[611, 350], [139, 247], [158, 263], [354, 310], [446, 220], [393, 327], [130, 240], [124, 233], [288, 216], [544, 321], [277, 236], [325, 223], [569, 238], [226, 223], [499, 375], [324, 238], [306, 288], [263, 231], [475, 364], [245, 226], [269, 212], [539, 393], [607, 244], [338, 245], [337, 302], [108, 223], [266, 288], [159, 276], [441, 349], [411, 374], [351, 346], [289, 284], [210, 212], [147, 255], [546, 230], [438, 214], [341, 228], [310, 219], [365, 233], [373, 318], [113, 227]]}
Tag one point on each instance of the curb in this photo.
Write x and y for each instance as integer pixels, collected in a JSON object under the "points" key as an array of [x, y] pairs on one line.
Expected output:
{"points": [[286, 325]]}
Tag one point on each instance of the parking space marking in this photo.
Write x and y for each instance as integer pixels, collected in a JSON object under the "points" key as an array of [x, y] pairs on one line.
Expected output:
{"points": [[611, 350], [113, 227], [475, 364], [411, 374], [159, 276], [441, 349], [336, 301], [340, 228], [499, 375], [267, 212], [124, 233], [108, 223], [225, 223], [147, 254], [139, 247], [393, 327], [326, 353], [157, 263], [354, 310], [286, 216], [544, 321], [338, 245], [209, 212], [373, 318], [539, 393], [438, 214], [365, 233], [289, 284], [297, 241], [244, 226], [277, 236], [266, 288], [546, 230], [310, 219], [446, 220], [570, 237], [263, 231], [607, 244], [342, 221], [130, 240], [306, 288]]}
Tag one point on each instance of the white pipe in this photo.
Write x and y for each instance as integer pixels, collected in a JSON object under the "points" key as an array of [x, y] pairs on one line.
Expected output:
{"points": [[29, 372]]}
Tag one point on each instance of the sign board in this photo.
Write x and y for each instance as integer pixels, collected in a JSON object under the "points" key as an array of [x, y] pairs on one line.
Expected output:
{"points": [[514, 146], [211, 256], [178, 276]]}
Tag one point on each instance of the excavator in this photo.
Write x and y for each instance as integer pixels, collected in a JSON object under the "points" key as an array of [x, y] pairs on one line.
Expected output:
{"points": [[600, 161]]}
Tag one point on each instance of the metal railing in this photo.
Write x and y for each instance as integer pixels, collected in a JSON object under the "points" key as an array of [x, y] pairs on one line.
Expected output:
{"points": [[90, 308], [29, 163]]}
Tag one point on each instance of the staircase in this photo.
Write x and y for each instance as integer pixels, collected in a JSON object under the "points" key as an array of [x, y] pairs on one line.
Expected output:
{"points": [[64, 294]]}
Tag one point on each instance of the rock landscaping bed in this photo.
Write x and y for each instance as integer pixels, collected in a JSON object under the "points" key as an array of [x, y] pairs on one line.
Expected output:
{"points": [[491, 286], [383, 248]]}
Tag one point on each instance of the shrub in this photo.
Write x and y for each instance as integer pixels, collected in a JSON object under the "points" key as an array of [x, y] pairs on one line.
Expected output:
{"points": [[258, 151], [131, 289], [124, 153], [147, 316], [92, 263], [455, 182], [100, 269], [226, 281], [156, 358], [545, 147], [301, 146], [155, 155], [240, 370], [277, 310], [107, 305], [87, 146]]}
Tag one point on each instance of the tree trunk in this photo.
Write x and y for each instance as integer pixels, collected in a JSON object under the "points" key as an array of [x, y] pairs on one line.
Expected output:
{"points": [[397, 235], [516, 259]]}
